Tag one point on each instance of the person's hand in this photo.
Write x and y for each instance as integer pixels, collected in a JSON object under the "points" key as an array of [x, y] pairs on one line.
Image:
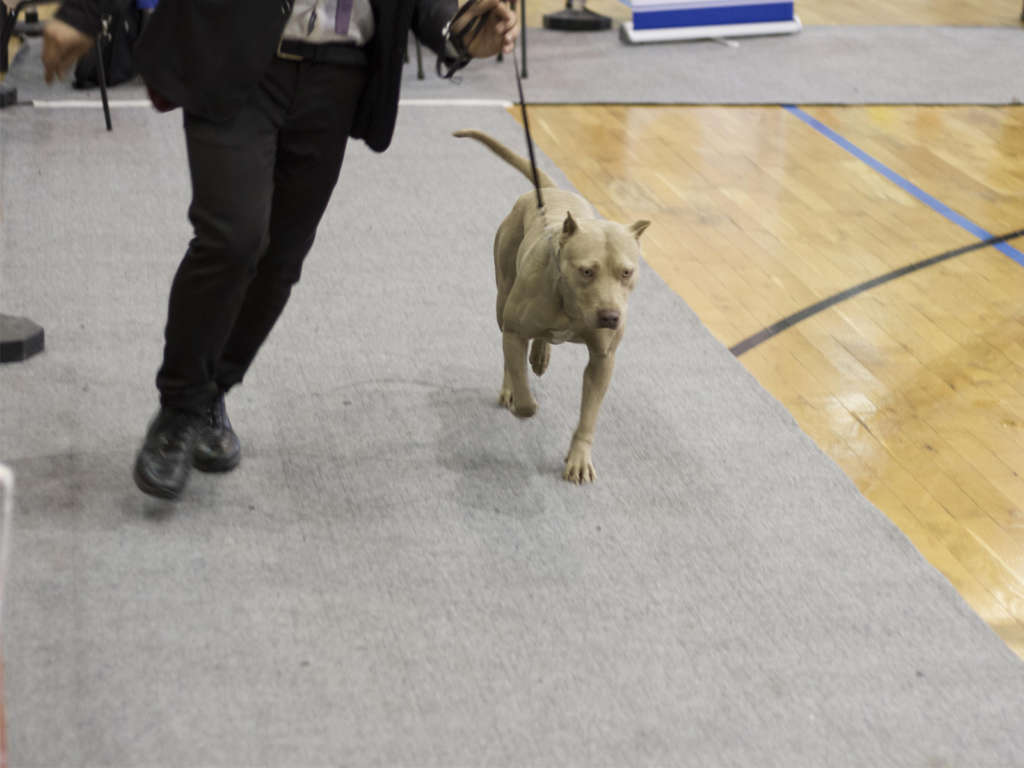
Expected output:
{"points": [[63, 45], [499, 30]]}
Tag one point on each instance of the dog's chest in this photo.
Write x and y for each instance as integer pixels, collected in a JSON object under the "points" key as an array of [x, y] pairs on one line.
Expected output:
{"points": [[560, 336]]}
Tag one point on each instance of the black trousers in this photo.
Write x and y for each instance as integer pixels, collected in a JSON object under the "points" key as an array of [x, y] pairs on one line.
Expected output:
{"points": [[260, 184]]}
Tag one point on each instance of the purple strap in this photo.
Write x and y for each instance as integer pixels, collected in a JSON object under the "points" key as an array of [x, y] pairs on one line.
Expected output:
{"points": [[342, 16]]}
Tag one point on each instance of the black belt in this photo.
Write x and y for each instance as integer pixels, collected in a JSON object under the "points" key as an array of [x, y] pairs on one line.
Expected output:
{"points": [[327, 53]]}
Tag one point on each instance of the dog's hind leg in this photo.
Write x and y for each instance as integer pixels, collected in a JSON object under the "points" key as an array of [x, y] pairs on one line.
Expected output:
{"points": [[540, 356], [515, 390]]}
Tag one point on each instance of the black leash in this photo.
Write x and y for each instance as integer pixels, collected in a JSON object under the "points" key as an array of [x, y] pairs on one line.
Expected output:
{"points": [[461, 41], [526, 126]]}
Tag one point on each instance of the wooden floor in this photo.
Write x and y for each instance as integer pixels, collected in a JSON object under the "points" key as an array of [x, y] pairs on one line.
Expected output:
{"points": [[973, 13]]}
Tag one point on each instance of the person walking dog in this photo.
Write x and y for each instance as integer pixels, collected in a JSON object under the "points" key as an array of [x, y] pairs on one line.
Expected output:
{"points": [[270, 90]]}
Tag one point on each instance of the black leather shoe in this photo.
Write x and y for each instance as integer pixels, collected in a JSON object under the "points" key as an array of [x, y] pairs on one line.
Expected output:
{"points": [[165, 459], [218, 448]]}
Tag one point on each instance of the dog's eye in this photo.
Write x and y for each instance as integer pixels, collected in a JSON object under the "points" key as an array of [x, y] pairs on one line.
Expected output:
{"points": [[587, 272], [627, 273]]}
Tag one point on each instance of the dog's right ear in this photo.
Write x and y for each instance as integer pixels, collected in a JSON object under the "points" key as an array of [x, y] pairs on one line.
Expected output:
{"points": [[569, 228], [639, 227]]}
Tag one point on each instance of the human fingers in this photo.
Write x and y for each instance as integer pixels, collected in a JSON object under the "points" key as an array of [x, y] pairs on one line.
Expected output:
{"points": [[490, 42], [512, 28], [67, 63], [503, 19], [51, 54], [502, 24], [481, 7], [498, 9], [63, 45], [59, 63]]}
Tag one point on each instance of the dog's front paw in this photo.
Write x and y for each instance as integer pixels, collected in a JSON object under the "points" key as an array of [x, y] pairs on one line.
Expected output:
{"points": [[525, 411], [578, 467]]}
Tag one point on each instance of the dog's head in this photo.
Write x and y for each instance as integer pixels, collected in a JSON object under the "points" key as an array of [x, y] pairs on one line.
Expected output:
{"points": [[597, 262]]}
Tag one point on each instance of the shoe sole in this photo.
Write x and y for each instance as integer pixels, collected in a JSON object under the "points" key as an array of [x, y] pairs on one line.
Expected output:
{"points": [[155, 490], [216, 467]]}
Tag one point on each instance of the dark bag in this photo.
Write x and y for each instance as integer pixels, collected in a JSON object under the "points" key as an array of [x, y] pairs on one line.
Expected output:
{"points": [[123, 24]]}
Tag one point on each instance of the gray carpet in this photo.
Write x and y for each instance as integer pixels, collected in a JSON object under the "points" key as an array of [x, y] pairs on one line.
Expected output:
{"points": [[397, 575], [827, 65]]}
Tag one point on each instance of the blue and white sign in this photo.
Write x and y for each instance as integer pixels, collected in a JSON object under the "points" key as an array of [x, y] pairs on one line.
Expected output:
{"points": [[660, 20]]}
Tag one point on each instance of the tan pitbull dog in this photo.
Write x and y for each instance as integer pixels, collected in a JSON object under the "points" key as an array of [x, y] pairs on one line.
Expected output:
{"points": [[562, 275]]}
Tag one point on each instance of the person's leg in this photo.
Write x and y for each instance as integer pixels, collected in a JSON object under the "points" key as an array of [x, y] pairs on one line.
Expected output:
{"points": [[232, 170], [310, 149], [232, 167]]}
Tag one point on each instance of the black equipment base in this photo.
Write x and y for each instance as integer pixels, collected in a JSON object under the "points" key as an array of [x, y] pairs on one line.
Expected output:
{"points": [[20, 338], [8, 95], [574, 20]]}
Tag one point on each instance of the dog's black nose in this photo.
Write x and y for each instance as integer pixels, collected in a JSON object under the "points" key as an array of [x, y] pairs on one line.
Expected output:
{"points": [[607, 318]]}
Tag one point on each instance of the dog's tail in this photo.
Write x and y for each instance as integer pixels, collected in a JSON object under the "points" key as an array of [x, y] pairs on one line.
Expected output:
{"points": [[508, 156]]}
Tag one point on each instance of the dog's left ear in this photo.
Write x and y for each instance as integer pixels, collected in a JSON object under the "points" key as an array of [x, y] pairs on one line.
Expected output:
{"points": [[638, 227], [569, 227]]}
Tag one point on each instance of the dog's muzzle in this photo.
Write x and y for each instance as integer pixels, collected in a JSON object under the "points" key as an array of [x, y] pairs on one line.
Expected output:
{"points": [[608, 318]]}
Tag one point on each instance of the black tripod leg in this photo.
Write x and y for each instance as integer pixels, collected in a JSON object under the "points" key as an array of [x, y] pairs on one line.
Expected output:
{"points": [[103, 82], [7, 21]]}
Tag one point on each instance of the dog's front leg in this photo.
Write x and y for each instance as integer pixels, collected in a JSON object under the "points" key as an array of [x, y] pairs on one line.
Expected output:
{"points": [[515, 390], [578, 466]]}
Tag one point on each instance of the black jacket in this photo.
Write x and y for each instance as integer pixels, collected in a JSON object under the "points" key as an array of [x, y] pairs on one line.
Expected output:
{"points": [[205, 55]]}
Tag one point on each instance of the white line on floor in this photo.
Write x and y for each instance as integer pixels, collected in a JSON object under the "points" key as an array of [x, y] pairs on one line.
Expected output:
{"points": [[137, 103], [76, 103], [455, 103]]}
